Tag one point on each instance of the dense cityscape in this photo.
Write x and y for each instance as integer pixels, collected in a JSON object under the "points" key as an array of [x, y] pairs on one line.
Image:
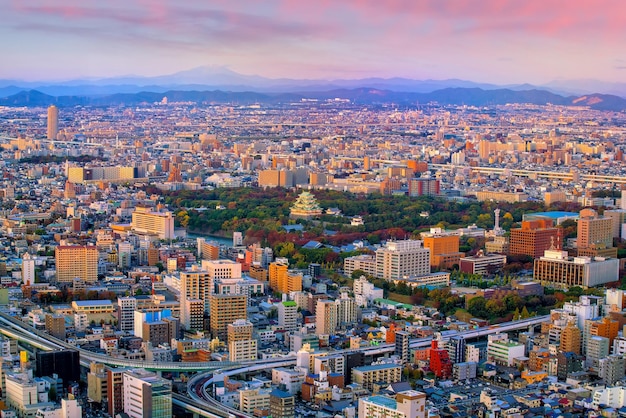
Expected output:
{"points": [[294, 209], [312, 258]]}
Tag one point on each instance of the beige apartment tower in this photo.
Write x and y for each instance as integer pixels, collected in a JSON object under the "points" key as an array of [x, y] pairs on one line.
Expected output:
{"points": [[76, 261], [53, 122], [226, 309]]}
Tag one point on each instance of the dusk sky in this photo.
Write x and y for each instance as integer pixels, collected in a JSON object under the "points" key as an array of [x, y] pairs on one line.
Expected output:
{"points": [[497, 41]]}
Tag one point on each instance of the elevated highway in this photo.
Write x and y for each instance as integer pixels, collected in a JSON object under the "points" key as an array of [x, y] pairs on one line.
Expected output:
{"points": [[199, 400]]}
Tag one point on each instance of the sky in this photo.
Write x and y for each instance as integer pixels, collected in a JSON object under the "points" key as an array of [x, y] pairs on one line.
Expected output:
{"points": [[495, 41]]}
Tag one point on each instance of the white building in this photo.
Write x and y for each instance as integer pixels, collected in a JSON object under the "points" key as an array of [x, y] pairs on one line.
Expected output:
{"points": [[126, 307], [146, 221], [365, 292], [69, 408], [290, 378], [502, 351], [242, 350], [146, 395], [408, 404], [613, 397], [364, 262], [402, 259], [25, 395], [28, 269], [346, 310], [288, 315]]}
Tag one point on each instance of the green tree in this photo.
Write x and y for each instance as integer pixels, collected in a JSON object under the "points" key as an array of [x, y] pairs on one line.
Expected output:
{"points": [[477, 307], [357, 273]]}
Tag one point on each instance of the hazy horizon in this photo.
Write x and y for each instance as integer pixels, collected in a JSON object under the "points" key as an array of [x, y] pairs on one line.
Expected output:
{"points": [[491, 41]]}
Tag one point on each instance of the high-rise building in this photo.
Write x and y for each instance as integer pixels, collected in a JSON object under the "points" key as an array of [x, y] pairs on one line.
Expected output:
{"points": [[611, 368], [65, 363], [594, 229], [424, 187], [192, 314], [226, 309], [402, 259], [222, 269], [146, 395], [457, 349], [115, 392], [239, 330], [534, 238], [444, 248], [568, 362], [208, 250], [97, 382], [147, 221], [28, 269], [237, 239], [597, 348], [55, 326], [326, 317], [402, 346], [195, 285], [605, 327], [618, 218], [126, 307], [241, 346], [53, 122], [124, 254], [440, 362], [277, 273], [288, 315], [76, 261], [571, 338], [346, 310]]}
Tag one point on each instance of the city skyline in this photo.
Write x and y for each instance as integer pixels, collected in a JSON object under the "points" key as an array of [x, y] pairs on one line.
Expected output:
{"points": [[492, 41]]}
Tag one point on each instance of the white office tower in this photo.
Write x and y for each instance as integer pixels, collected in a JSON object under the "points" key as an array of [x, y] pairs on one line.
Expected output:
{"points": [[147, 395], [126, 307], [237, 239], [402, 259], [288, 315], [28, 269], [346, 310]]}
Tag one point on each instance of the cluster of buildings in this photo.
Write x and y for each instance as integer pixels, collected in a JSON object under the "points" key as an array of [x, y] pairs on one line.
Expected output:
{"points": [[87, 255]]}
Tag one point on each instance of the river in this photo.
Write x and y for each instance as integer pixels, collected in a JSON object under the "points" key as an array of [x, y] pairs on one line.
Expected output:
{"points": [[219, 239]]}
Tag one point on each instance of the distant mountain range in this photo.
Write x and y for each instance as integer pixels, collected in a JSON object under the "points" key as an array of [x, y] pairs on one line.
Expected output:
{"points": [[221, 85], [447, 96]]}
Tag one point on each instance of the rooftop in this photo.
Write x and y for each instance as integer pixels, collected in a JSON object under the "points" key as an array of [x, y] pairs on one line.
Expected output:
{"points": [[383, 401]]}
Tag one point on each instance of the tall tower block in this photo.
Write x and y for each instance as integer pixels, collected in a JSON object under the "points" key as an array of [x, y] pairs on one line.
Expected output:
{"points": [[53, 122]]}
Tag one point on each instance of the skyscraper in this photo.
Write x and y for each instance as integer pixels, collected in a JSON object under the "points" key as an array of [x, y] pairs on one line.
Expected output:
{"points": [[53, 122]]}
